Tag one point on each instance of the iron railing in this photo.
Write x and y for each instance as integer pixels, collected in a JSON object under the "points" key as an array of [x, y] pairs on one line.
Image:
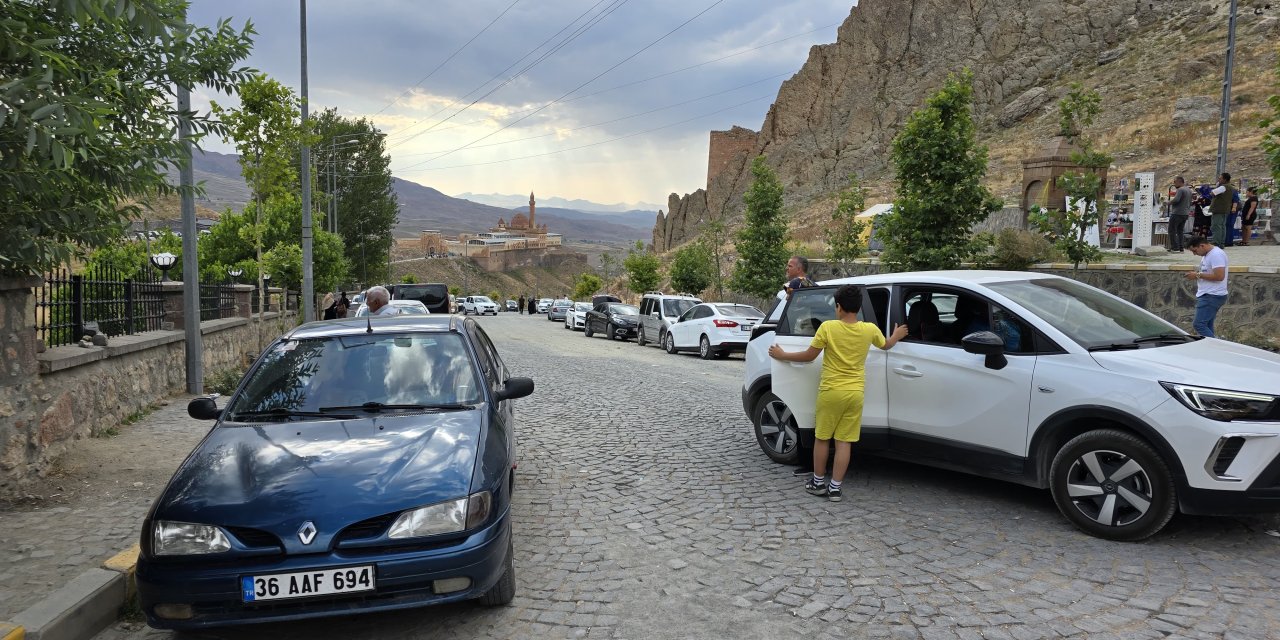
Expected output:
{"points": [[217, 301], [68, 305]]}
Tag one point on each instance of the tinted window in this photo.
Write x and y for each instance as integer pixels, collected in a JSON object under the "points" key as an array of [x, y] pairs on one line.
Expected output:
{"points": [[646, 306], [305, 375], [434, 296], [676, 307], [807, 309]]}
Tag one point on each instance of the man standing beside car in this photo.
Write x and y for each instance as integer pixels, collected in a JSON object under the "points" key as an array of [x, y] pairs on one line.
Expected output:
{"points": [[379, 301], [1211, 284], [798, 278], [1220, 207]]}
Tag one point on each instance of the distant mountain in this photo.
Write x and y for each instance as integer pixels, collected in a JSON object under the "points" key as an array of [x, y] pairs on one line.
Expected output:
{"points": [[511, 201], [422, 207]]}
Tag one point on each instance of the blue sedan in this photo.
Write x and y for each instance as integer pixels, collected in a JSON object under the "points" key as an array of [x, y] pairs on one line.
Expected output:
{"points": [[362, 465]]}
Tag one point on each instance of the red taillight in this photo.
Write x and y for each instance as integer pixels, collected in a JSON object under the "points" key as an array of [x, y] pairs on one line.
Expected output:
{"points": [[725, 323]]}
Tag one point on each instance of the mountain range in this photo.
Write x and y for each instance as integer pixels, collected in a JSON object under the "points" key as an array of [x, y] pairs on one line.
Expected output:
{"points": [[422, 207], [512, 201]]}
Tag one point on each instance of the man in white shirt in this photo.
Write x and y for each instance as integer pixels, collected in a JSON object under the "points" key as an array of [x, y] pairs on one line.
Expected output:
{"points": [[379, 301], [1211, 283]]}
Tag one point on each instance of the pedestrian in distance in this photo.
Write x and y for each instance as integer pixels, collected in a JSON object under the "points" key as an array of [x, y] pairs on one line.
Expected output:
{"points": [[521, 305], [379, 301], [1211, 283], [533, 305], [1200, 221], [1179, 207], [1248, 215], [328, 307], [843, 343], [1220, 207]]}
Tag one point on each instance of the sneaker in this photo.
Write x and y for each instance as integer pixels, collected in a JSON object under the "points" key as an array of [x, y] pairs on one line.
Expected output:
{"points": [[833, 495], [816, 489], [800, 472]]}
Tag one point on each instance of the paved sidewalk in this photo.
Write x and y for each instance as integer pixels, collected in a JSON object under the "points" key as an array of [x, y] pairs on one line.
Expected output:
{"points": [[1253, 255], [91, 507]]}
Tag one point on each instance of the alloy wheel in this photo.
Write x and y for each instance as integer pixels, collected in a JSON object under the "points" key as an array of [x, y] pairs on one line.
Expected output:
{"points": [[1109, 487], [776, 430]]}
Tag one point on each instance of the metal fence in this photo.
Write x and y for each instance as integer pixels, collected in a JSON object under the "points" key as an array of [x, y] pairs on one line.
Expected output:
{"points": [[69, 304], [217, 301], [292, 300]]}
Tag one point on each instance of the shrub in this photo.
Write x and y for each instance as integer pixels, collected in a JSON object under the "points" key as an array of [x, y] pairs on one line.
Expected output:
{"points": [[223, 381], [1018, 249]]}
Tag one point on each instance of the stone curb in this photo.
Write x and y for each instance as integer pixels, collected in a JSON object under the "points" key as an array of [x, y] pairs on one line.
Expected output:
{"points": [[1114, 266], [81, 608]]}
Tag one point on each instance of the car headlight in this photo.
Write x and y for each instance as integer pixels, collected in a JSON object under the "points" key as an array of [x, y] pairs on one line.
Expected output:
{"points": [[443, 517], [184, 539], [1221, 404]]}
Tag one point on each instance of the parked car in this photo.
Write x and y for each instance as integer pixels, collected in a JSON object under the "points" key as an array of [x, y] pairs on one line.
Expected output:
{"points": [[356, 301], [544, 305], [512, 305], [402, 307], [434, 295], [559, 310], [658, 311], [576, 318], [713, 329], [613, 319], [1043, 381], [479, 305], [381, 479]]}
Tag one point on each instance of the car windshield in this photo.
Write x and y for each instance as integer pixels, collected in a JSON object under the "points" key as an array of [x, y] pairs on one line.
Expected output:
{"points": [[624, 309], [676, 307], [307, 375], [482, 299], [739, 310], [410, 307], [1085, 314], [582, 306]]}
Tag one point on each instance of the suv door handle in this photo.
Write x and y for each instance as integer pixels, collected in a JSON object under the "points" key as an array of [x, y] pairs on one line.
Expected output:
{"points": [[908, 372]]}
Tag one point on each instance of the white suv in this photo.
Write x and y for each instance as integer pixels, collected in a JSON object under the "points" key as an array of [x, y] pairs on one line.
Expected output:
{"points": [[478, 305], [1042, 381]]}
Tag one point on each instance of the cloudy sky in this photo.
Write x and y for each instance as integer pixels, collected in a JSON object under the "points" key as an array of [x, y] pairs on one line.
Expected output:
{"points": [[607, 100]]}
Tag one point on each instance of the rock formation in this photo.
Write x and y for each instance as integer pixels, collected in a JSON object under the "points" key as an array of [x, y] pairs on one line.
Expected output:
{"points": [[840, 112]]}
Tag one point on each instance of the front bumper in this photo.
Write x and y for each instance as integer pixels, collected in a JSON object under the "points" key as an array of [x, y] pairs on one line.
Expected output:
{"points": [[404, 579], [623, 331]]}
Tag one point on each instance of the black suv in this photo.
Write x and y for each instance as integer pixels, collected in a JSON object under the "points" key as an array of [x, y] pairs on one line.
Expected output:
{"points": [[434, 295]]}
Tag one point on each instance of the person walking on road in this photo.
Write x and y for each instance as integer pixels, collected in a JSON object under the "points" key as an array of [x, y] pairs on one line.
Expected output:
{"points": [[1211, 284], [1220, 209], [521, 305], [1179, 207], [1248, 215], [533, 305], [844, 343]]}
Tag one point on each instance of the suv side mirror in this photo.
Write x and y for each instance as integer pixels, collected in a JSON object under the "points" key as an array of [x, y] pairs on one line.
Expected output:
{"points": [[987, 344], [515, 388], [205, 408]]}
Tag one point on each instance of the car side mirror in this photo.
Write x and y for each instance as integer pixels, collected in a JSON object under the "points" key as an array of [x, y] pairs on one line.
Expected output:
{"points": [[987, 344], [515, 388], [204, 408]]}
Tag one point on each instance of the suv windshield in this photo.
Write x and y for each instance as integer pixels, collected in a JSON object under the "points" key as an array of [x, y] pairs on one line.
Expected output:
{"points": [[675, 307], [1086, 315], [303, 376]]}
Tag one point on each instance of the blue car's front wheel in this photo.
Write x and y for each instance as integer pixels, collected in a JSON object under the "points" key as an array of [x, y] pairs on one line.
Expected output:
{"points": [[505, 590]]}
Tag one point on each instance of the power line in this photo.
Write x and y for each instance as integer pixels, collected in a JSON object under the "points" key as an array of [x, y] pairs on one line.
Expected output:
{"points": [[571, 37], [451, 57], [575, 89]]}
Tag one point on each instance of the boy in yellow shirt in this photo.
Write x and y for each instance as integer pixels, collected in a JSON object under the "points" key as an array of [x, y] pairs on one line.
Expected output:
{"points": [[845, 342]]}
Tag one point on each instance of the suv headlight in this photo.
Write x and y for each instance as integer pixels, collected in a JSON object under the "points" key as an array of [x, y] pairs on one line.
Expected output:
{"points": [[443, 517], [183, 539], [1222, 404]]}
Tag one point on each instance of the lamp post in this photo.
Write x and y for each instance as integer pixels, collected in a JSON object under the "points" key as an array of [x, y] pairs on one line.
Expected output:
{"points": [[164, 262], [235, 273], [266, 288], [1226, 92]]}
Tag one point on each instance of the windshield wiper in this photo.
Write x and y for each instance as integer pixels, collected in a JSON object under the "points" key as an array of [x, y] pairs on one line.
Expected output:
{"points": [[1165, 336], [1115, 346], [254, 416], [375, 407]]}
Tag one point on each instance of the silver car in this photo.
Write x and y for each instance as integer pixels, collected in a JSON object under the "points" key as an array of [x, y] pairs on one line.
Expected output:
{"points": [[559, 310], [658, 311]]}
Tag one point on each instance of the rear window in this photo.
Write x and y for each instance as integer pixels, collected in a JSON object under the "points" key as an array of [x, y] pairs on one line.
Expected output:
{"points": [[739, 310], [428, 294]]}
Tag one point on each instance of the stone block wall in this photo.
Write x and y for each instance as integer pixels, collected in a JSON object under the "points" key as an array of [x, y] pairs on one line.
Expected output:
{"points": [[50, 399], [725, 146]]}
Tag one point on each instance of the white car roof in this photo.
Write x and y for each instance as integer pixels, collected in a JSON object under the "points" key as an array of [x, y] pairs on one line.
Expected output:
{"points": [[958, 276]]}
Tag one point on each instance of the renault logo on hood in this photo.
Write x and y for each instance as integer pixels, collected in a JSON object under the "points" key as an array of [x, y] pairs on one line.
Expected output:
{"points": [[307, 533]]}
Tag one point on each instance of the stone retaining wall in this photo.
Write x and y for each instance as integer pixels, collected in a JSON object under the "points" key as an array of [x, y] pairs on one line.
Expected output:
{"points": [[49, 399]]}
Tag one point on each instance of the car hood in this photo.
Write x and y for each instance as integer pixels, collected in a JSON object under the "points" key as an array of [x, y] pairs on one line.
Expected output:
{"points": [[276, 476], [1208, 362]]}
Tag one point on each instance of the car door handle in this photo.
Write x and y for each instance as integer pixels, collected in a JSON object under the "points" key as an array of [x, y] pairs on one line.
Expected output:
{"points": [[907, 372]]}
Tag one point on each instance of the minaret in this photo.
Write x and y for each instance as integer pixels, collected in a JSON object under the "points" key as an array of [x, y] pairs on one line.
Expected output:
{"points": [[531, 207]]}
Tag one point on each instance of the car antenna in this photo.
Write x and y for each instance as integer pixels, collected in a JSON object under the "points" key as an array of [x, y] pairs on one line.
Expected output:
{"points": [[368, 324]]}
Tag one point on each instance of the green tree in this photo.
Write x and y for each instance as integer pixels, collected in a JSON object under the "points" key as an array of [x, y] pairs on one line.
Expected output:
{"points": [[88, 121], [643, 269], [691, 268], [495, 296], [586, 285], [608, 265], [714, 235], [844, 236], [284, 263], [408, 278], [353, 170], [762, 241], [1068, 226], [939, 168]]}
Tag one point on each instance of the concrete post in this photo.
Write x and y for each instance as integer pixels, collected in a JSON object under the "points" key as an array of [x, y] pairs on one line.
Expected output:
{"points": [[171, 294], [244, 298]]}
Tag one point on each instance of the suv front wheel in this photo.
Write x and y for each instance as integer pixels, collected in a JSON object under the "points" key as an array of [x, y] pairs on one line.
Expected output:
{"points": [[1113, 485], [776, 429]]}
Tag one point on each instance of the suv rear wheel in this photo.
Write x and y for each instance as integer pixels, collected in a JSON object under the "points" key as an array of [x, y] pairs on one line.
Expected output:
{"points": [[1112, 484], [776, 429]]}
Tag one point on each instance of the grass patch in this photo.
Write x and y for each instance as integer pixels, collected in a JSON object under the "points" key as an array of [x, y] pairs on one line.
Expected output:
{"points": [[109, 432]]}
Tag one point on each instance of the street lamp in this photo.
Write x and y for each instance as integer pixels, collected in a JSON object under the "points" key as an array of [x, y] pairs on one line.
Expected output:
{"points": [[266, 286], [234, 272], [164, 262]]}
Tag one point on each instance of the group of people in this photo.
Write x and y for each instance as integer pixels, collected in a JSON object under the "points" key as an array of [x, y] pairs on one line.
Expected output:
{"points": [[378, 299], [1211, 233]]}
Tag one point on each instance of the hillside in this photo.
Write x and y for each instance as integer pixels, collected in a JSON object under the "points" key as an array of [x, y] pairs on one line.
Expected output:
{"points": [[838, 115], [539, 281], [511, 201]]}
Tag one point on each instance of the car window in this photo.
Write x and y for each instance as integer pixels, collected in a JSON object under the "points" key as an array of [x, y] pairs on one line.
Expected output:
{"points": [[879, 297], [676, 306], [499, 371], [308, 374], [739, 310], [624, 309], [1087, 315], [582, 306], [687, 315], [645, 306], [806, 310]]}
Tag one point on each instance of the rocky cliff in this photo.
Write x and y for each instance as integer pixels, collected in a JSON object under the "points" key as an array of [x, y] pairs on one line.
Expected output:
{"points": [[838, 115]]}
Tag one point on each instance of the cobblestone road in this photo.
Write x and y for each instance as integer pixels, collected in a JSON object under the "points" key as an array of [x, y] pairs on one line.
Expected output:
{"points": [[644, 509]]}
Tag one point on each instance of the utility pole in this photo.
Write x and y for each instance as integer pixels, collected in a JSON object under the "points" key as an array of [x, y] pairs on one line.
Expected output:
{"points": [[308, 282], [190, 262], [1226, 92]]}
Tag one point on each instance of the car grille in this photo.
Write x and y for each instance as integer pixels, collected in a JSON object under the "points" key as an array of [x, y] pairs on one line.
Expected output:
{"points": [[369, 528], [255, 538]]}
